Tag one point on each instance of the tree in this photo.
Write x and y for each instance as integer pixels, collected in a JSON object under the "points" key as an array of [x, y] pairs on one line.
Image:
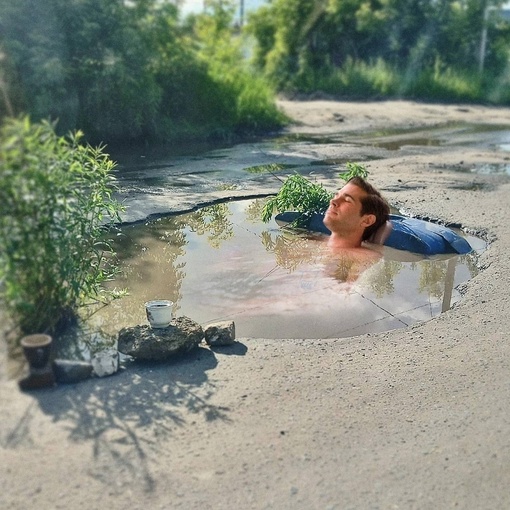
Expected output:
{"points": [[83, 62], [298, 38], [129, 70]]}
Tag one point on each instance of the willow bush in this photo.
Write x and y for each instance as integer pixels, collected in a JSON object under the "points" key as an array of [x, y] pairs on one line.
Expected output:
{"points": [[56, 204]]}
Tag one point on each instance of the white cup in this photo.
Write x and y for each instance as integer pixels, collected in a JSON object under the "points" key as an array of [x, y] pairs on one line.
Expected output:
{"points": [[159, 312]]}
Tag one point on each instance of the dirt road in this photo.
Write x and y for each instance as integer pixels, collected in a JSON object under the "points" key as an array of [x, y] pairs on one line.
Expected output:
{"points": [[415, 418]]}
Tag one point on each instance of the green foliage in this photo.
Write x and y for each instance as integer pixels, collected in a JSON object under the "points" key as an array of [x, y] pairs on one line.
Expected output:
{"points": [[298, 194], [378, 79], [447, 85], [282, 29], [354, 170], [86, 63], [391, 48], [133, 71], [130, 71], [357, 79], [247, 101], [498, 91], [55, 206], [368, 79]]}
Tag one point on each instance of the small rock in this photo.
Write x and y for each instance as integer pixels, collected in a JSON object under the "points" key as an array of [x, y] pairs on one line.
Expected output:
{"points": [[105, 362], [70, 371], [148, 344], [220, 333]]}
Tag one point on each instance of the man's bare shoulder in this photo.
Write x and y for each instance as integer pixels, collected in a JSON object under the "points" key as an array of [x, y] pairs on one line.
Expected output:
{"points": [[347, 264]]}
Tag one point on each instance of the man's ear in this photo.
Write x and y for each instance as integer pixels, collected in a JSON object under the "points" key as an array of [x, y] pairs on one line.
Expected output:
{"points": [[367, 220]]}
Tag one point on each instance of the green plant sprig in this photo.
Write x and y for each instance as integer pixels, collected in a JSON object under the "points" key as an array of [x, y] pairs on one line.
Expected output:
{"points": [[298, 194], [354, 170]]}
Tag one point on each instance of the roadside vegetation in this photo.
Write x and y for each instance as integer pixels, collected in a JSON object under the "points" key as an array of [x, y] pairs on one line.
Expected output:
{"points": [[132, 71], [137, 71], [453, 50], [56, 206]]}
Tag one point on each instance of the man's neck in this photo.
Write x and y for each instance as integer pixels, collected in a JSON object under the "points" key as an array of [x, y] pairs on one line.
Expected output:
{"points": [[344, 242]]}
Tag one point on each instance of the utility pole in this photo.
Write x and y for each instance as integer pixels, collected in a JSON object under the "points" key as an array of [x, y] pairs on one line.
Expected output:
{"points": [[241, 13]]}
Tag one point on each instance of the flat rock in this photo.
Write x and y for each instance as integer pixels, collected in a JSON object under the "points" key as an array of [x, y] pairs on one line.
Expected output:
{"points": [[148, 344], [71, 371]]}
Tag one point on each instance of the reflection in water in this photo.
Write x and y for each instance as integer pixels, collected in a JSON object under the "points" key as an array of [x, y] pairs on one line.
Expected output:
{"points": [[222, 262], [212, 221]]}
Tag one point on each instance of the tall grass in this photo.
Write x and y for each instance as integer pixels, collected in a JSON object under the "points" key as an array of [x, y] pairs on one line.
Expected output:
{"points": [[355, 79], [254, 106], [445, 85], [378, 79]]}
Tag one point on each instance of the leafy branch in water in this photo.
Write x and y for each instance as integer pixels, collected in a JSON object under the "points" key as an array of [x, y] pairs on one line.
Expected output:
{"points": [[354, 170], [299, 194]]}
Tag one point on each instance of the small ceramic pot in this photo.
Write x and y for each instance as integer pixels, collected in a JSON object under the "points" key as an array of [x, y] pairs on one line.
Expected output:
{"points": [[37, 350], [159, 312]]}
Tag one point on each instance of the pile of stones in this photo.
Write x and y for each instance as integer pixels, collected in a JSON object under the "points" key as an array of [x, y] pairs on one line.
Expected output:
{"points": [[145, 343]]}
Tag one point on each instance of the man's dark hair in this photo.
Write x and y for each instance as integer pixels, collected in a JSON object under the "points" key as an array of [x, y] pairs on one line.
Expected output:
{"points": [[374, 204]]}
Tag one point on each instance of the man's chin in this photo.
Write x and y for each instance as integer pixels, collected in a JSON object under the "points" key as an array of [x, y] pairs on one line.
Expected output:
{"points": [[326, 220]]}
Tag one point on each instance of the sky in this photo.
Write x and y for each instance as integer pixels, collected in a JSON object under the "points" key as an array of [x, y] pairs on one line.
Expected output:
{"points": [[190, 6]]}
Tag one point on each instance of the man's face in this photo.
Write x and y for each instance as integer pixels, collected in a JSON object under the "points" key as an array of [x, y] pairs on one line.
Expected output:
{"points": [[344, 211]]}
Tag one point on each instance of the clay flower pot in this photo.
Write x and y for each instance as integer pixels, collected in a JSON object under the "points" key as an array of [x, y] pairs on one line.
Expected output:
{"points": [[37, 350]]}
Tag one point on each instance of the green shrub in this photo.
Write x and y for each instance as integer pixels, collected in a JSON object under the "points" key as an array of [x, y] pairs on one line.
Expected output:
{"points": [[298, 194], [355, 79], [354, 170], [243, 101], [55, 205], [361, 79], [255, 109]]}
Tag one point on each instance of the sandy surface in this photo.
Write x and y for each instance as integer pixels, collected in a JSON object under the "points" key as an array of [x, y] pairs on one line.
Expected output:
{"points": [[416, 418]]}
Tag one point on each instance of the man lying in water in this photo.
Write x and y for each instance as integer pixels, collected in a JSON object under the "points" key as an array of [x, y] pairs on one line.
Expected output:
{"points": [[354, 214]]}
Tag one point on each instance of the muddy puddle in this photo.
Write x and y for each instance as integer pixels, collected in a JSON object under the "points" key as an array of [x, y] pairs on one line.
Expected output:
{"points": [[460, 134], [222, 263]]}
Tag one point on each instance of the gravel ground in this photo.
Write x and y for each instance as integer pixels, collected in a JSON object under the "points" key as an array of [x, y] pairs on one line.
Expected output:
{"points": [[415, 418]]}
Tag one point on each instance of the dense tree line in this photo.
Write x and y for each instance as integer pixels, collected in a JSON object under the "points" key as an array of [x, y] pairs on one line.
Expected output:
{"points": [[302, 43], [129, 69], [134, 70]]}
